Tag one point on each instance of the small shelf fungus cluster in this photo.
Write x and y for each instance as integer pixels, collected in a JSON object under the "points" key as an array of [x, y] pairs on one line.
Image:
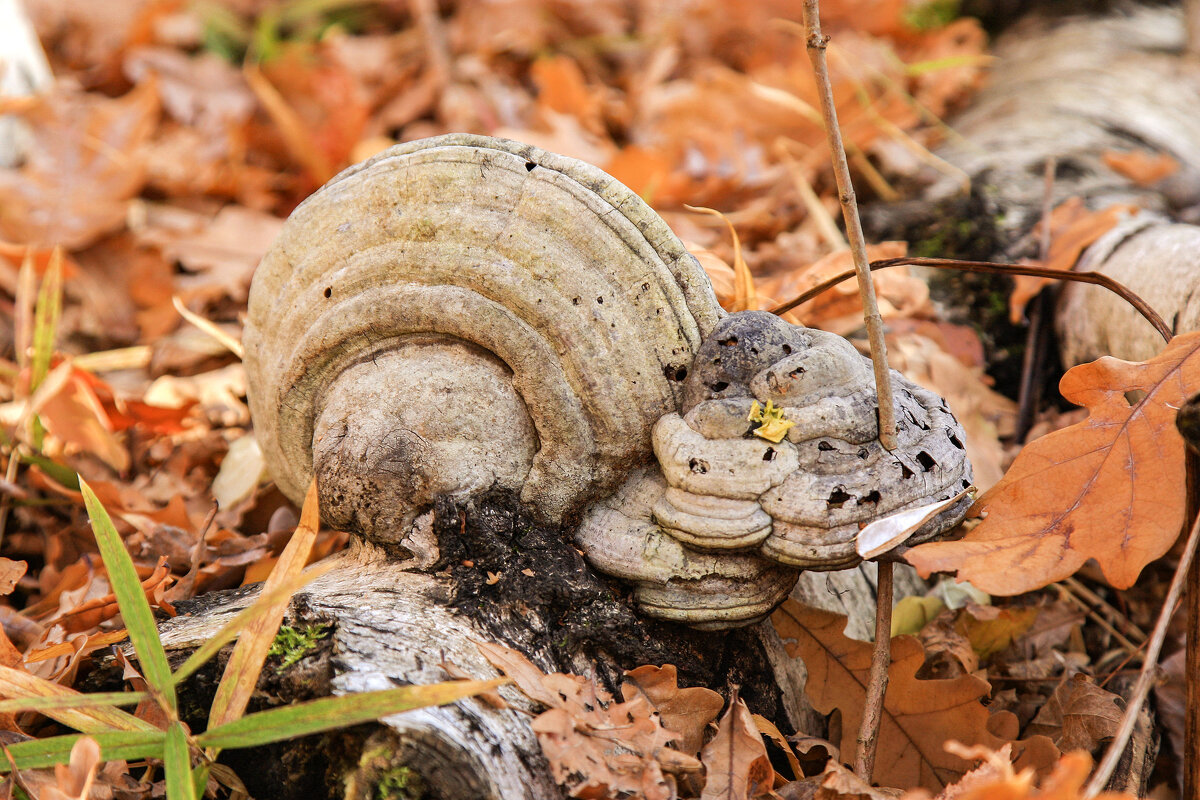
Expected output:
{"points": [[464, 314]]}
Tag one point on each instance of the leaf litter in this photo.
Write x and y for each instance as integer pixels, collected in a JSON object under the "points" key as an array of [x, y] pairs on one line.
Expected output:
{"points": [[166, 156]]}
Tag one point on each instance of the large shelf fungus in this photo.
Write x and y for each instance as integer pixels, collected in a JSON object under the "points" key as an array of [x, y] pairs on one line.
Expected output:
{"points": [[465, 314]]}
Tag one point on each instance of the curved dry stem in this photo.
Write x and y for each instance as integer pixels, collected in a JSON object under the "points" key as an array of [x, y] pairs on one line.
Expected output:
{"points": [[1094, 278]]}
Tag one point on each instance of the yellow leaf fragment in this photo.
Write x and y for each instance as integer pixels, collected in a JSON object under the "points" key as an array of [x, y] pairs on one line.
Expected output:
{"points": [[774, 426]]}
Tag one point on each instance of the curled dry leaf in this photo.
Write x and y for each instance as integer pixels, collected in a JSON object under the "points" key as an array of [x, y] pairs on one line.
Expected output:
{"points": [[996, 779], [918, 715], [686, 712], [1073, 228], [596, 746], [1141, 166], [82, 168], [888, 533], [736, 765], [1079, 715], [1109, 488]]}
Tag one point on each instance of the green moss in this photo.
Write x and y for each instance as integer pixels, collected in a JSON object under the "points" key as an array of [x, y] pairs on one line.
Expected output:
{"points": [[399, 783], [292, 644]]}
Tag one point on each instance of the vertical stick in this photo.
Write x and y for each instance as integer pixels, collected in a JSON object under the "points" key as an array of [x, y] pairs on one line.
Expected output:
{"points": [[1188, 423], [858, 245], [881, 659]]}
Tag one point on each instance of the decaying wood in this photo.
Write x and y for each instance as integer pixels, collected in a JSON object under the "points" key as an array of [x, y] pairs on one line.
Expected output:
{"points": [[394, 626]]}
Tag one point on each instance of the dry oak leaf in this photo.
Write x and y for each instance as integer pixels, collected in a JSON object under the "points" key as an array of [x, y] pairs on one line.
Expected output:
{"points": [[1073, 228], [735, 761], [1109, 488], [686, 712], [596, 746], [997, 780], [82, 168], [1079, 715], [918, 715], [1143, 167]]}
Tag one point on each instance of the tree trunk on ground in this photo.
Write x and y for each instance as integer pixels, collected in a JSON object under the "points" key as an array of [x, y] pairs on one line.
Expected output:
{"points": [[1078, 90], [395, 626]]}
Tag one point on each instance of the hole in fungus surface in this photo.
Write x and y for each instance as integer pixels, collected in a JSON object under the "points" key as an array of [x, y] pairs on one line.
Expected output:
{"points": [[769, 455], [645, 287], [870, 497], [787, 349], [926, 461], [719, 386], [600, 300], [862, 453], [529, 165], [698, 466], [730, 342], [954, 440], [838, 497], [824, 446], [797, 372], [674, 373], [965, 484], [905, 472], [329, 291], [574, 301]]}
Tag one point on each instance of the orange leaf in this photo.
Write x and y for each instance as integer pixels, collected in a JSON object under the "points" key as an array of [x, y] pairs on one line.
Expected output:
{"points": [[686, 712], [1141, 166], [1072, 230], [1109, 488], [735, 761], [918, 715]]}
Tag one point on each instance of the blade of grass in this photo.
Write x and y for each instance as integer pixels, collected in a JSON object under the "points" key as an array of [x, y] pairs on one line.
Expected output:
{"points": [[60, 473], [45, 319], [242, 671], [262, 605], [135, 611], [18, 705], [16, 684], [329, 713], [123, 746], [177, 764]]}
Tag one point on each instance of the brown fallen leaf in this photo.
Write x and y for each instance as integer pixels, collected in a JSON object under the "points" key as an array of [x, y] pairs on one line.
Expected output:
{"points": [[1140, 166], [1079, 715], [996, 779], [82, 168], [735, 761], [686, 712], [1073, 228], [596, 746], [1109, 488], [919, 715]]}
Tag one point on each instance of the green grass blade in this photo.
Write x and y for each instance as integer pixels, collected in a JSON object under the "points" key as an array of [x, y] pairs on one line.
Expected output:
{"points": [[126, 745], [135, 611], [261, 606], [20, 705], [63, 474], [45, 320], [177, 764], [329, 713], [20, 685]]}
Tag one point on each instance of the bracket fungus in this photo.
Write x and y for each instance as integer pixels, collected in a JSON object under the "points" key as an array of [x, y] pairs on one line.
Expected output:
{"points": [[462, 314]]}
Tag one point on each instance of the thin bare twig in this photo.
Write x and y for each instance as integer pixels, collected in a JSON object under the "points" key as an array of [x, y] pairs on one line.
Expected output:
{"points": [[1094, 278], [1185, 422], [1146, 678], [817, 43], [881, 659], [1039, 312]]}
